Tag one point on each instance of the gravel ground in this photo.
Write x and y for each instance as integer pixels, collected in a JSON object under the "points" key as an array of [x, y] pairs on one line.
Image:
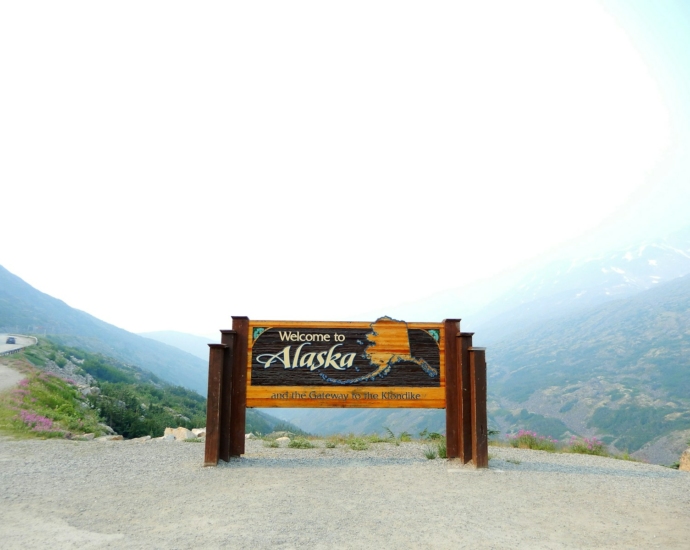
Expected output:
{"points": [[68, 494]]}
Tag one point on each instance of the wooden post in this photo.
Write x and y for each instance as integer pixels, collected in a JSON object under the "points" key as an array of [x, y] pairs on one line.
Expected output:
{"points": [[452, 329], [228, 338], [465, 423], [480, 443], [213, 403], [238, 405]]}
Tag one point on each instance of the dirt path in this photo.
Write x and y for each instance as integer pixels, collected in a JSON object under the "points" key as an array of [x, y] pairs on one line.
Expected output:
{"points": [[8, 377], [65, 494]]}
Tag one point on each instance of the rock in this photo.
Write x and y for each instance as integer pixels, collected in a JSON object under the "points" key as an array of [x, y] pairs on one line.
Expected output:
{"points": [[685, 461], [283, 440], [183, 433], [199, 432], [249, 436], [109, 438], [168, 431], [168, 437], [274, 435], [107, 429], [144, 438], [88, 437]]}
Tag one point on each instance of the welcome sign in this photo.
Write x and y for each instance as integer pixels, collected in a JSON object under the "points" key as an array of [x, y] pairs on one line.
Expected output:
{"points": [[387, 363], [384, 363]]}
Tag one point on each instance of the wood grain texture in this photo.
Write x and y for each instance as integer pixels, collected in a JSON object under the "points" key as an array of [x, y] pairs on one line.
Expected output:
{"points": [[480, 442], [228, 337], [385, 353], [464, 386], [213, 404], [451, 331], [341, 397], [238, 406]]}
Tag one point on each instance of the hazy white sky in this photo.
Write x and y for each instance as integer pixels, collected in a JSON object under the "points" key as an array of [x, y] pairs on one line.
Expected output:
{"points": [[165, 165]]}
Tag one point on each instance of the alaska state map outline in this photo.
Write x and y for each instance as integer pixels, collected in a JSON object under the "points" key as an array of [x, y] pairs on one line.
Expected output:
{"points": [[389, 345]]}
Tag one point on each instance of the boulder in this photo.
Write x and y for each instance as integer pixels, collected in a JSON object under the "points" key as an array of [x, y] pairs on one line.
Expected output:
{"points": [[107, 429], [144, 438], [109, 438], [283, 440], [88, 437], [249, 436], [183, 433], [199, 432], [684, 463]]}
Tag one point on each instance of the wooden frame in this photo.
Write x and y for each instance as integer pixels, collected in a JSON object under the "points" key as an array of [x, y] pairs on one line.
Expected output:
{"points": [[456, 377]]}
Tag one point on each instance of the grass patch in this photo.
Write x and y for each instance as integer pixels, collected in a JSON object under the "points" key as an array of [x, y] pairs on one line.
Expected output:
{"points": [[358, 444], [430, 452], [586, 446], [301, 443], [525, 439], [272, 443], [46, 406]]}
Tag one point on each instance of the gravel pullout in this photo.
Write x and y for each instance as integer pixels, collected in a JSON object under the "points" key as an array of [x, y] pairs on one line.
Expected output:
{"points": [[68, 494]]}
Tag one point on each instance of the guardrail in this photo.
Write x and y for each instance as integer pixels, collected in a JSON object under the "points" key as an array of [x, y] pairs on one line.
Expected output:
{"points": [[21, 348]]}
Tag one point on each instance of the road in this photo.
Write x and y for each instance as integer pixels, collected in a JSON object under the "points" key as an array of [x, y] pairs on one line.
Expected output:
{"points": [[21, 342]]}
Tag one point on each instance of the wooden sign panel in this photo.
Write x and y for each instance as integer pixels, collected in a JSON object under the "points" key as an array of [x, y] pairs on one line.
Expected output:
{"points": [[386, 363]]}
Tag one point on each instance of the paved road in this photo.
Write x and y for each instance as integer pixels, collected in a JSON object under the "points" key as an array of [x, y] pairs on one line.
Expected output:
{"points": [[21, 342]]}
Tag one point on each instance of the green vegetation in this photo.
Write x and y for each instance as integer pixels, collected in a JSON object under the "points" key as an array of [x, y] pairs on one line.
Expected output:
{"points": [[300, 443], [133, 402], [358, 444], [430, 452], [525, 439], [569, 405], [46, 406], [531, 440], [551, 427], [633, 425]]}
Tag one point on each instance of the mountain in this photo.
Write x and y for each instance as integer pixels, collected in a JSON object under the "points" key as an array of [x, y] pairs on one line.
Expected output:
{"points": [[363, 421], [567, 286], [620, 370], [552, 285], [598, 346], [196, 345], [23, 309]]}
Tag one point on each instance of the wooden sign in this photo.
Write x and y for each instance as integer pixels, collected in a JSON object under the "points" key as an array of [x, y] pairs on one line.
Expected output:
{"points": [[387, 363]]}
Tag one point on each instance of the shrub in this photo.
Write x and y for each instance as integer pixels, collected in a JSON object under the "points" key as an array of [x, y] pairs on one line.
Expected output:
{"points": [[525, 439], [430, 452], [358, 444], [442, 449], [586, 446], [301, 443]]}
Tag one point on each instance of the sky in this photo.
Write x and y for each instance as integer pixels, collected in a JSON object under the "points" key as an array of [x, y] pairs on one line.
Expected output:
{"points": [[165, 165]]}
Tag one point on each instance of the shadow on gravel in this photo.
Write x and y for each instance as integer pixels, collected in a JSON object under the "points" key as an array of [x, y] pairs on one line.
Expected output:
{"points": [[572, 469], [319, 462]]}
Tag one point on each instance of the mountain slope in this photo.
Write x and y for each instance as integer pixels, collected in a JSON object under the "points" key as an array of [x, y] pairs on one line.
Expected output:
{"points": [[196, 345], [25, 309], [568, 286], [621, 369]]}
